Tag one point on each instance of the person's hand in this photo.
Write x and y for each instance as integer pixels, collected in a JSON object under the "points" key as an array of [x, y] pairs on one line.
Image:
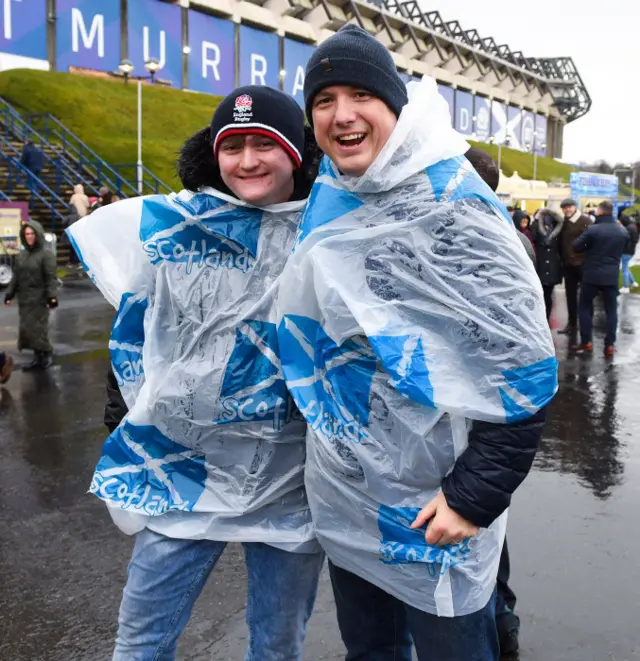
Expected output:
{"points": [[446, 526], [7, 302], [52, 303]]}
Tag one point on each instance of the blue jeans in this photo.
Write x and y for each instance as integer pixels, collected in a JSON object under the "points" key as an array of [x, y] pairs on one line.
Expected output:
{"points": [[588, 293], [378, 627], [166, 577], [627, 276]]}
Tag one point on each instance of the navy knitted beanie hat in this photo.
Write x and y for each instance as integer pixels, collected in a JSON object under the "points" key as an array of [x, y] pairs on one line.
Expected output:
{"points": [[353, 57], [255, 109]]}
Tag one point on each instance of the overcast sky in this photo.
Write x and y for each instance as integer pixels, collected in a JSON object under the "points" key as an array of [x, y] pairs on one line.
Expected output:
{"points": [[603, 38]]}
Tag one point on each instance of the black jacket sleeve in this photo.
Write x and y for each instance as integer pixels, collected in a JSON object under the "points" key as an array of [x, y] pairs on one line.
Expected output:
{"points": [[493, 466], [116, 407]]}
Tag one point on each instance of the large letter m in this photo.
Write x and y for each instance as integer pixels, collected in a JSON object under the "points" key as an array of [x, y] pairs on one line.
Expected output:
{"points": [[78, 28]]}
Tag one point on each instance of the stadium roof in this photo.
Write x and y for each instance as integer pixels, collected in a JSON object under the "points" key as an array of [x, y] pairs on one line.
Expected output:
{"points": [[559, 74]]}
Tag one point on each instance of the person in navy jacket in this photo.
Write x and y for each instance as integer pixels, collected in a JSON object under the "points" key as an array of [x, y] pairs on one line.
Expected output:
{"points": [[603, 244]]}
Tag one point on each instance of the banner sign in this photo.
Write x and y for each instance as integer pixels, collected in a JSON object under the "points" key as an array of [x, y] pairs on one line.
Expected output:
{"points": [[514, 127], [541, 135], [448, 94], [464, 113], [88, 34], [12, 215], [296, 56], [482, 113], [528, 131], [155, 31], [259, 57], [24, 28], [499, 122], [212, 57], [593, 184]]}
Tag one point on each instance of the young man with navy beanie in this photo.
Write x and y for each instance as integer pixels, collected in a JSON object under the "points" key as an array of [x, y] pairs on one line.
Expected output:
{"points": [[353, 98]]}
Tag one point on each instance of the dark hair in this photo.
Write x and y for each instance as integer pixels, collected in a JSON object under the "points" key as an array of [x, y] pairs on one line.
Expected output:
{"points": [[485, 166], [606, 207], [197, 166]]}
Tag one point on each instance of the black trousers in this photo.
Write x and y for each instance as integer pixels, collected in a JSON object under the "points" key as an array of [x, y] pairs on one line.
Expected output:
{"points": [[506, 619], [548, 298], [572, 278], [588, 294]]}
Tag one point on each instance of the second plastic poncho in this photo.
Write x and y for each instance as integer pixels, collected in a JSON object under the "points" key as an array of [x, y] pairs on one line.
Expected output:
{"points": [[408, 309], [212, 446]]}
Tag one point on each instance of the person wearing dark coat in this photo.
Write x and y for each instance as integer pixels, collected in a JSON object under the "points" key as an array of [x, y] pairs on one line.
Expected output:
{"points": [[603, 244], [32, 158], [629, 251], [575, 224], [35, 284], [547, 231]]}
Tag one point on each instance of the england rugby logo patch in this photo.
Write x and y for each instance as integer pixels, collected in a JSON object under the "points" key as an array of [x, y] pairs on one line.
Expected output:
{"points": [[243, 110]]}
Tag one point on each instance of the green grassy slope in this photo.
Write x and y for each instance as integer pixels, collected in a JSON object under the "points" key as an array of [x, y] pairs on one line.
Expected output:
{"points": [[512, 160], [103, 113]]}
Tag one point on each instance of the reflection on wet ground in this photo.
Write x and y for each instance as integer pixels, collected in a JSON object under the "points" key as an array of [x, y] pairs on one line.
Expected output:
{"points": [[572, 528]]}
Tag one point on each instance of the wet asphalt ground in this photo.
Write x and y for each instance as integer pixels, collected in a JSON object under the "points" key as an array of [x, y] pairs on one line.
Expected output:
{"points": [[573, 527]]}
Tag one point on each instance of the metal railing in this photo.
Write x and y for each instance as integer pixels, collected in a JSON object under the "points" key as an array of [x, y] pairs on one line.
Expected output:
{"points": [[55, 132], [83, 157], [77, 162], [18, 174], [151, 185], [63, 173]]}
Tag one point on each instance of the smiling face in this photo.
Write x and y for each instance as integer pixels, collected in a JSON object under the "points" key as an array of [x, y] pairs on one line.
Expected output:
{"points": [[256, 169], [29, 236], [351, 126]]}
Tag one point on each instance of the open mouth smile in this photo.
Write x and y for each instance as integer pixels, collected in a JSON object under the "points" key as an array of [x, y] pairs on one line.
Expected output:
{"points": [[350, 140]]}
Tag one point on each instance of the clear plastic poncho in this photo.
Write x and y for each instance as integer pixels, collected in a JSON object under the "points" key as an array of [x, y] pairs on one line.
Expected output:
{"points": [[410, 309], [213, 446]]}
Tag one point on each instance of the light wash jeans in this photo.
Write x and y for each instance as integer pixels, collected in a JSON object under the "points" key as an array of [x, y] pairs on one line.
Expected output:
{"points": [[166, 577], [627, 276]]}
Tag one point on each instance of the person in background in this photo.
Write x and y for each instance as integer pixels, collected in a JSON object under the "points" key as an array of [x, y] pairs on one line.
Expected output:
{"points": [[105, 197], [33, 159], [80, 201], [522, 221], [6, 367], [603, 244], [576, 223], [35, 284], [547, 231], [628, 280]]}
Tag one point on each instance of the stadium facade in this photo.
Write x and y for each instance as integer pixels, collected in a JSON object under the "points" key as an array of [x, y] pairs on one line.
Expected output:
{"points": [[211, 46]]}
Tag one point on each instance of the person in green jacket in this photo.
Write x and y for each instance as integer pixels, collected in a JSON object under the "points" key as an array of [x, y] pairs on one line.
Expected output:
{"points": [[35, 284]]}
